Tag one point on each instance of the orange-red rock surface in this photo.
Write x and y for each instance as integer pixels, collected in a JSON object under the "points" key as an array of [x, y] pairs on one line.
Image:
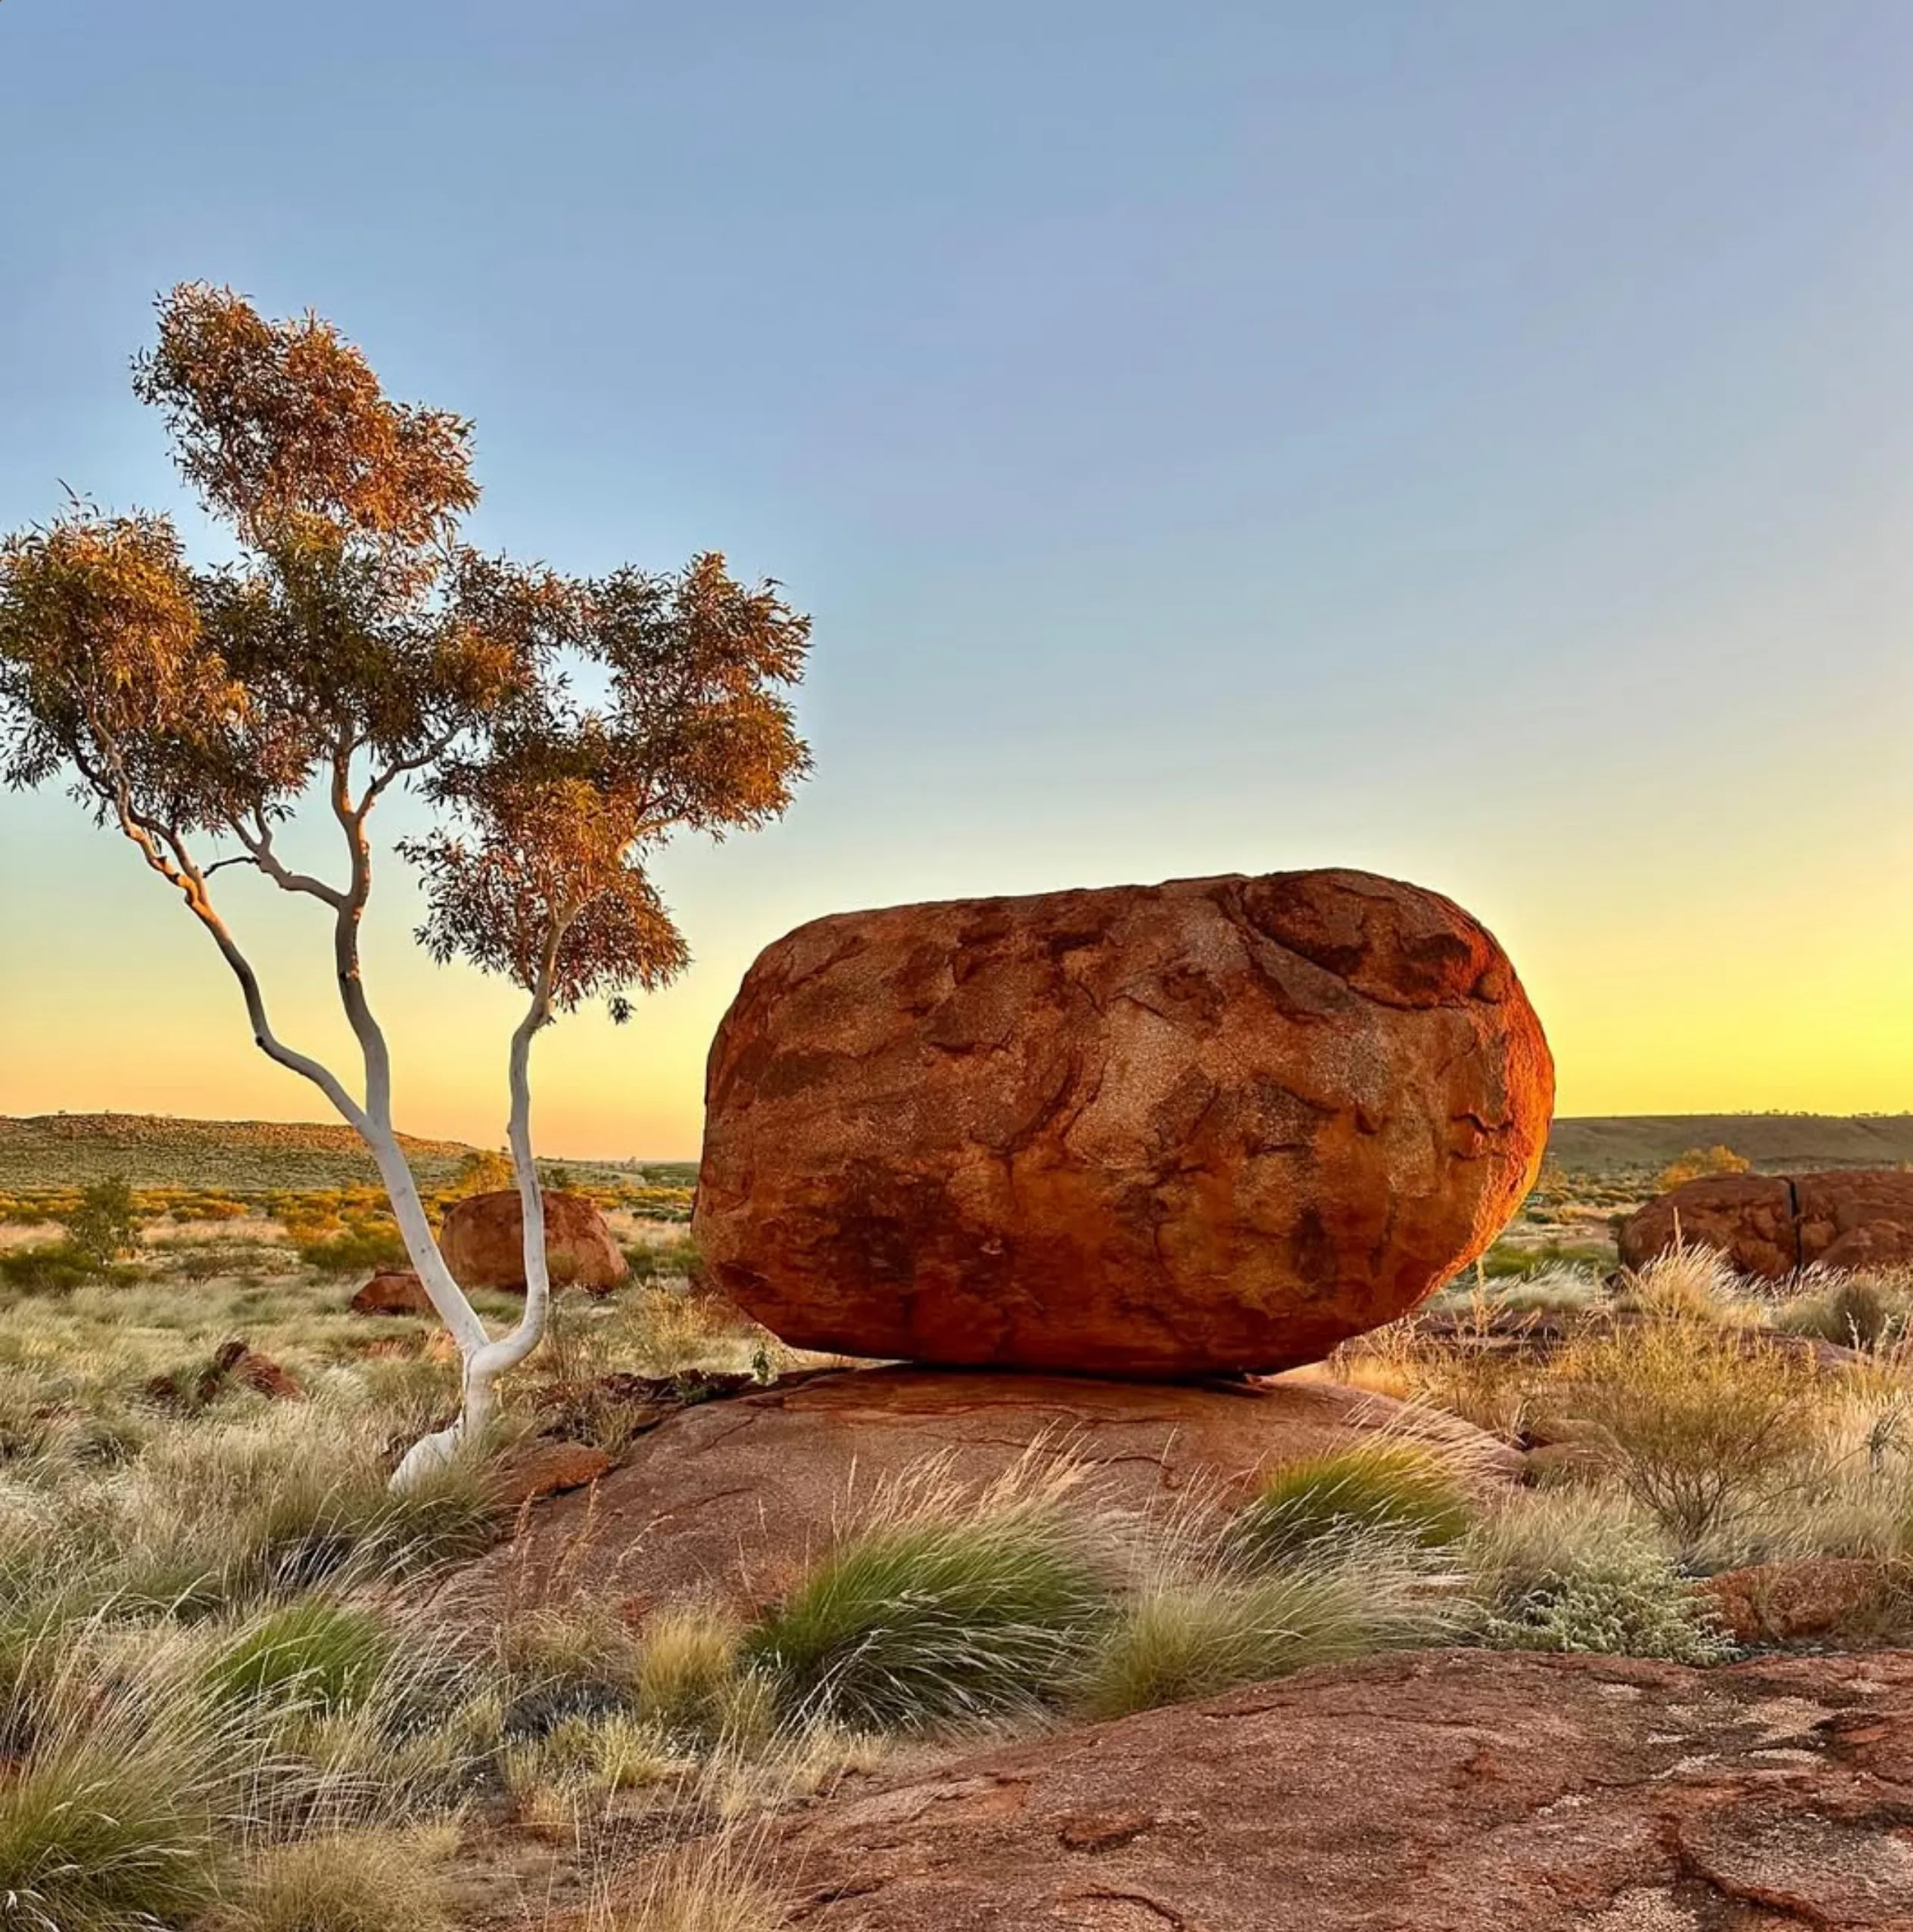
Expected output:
{"points": [[392, 1292], [1216, 1124], [483, 1242], [730, 1500], [1443, 1791], [1772, 1224]]}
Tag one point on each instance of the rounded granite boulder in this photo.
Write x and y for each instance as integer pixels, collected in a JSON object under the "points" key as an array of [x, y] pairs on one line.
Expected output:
{"points": [[1216, 1125]]}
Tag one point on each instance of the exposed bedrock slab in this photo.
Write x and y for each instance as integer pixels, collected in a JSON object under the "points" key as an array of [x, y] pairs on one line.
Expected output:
{"points": [[1443, 1791], [732, 1499]]}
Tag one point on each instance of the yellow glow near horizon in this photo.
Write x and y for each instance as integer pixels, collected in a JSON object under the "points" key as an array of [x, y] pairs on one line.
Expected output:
{"points": [[1789, 992]]}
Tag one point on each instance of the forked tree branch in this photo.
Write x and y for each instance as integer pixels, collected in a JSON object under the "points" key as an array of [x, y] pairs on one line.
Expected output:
{"points": [[258, 842]]}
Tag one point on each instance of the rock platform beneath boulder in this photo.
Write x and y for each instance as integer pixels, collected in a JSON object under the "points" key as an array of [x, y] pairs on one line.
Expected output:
{"points": [[731, 1498]]}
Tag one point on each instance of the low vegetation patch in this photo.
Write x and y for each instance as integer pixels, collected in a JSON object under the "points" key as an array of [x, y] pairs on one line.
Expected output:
{"points": [[945, 1607], [1381, 1488], [1575, 1575]]}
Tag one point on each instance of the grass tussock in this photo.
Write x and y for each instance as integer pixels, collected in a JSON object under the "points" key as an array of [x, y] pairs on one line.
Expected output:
{"points": [[946, 1606], [119, 1818], [719, 1884], [312, 1655], [1382, 1488], [1687, 1283], [1871, 1312], [369, 1881], [1196, 1633]]}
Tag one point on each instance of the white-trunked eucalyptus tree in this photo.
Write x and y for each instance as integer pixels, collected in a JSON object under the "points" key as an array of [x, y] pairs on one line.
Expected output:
{"points": [[560, 728]]}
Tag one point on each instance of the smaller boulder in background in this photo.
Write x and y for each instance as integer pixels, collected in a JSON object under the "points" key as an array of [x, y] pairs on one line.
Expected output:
{"points": [[483, 1242], [1774, 1225], [392, 1292]]}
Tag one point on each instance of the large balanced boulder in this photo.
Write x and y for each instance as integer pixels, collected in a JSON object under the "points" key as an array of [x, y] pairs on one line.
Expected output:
{"points": [[1773, 1225], [483, 1242], [1219, 1124], [1442, 1791], [732, 1498]]}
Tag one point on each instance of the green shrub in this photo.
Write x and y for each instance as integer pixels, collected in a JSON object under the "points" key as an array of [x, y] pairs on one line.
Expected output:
{"points": [[1379, 1486], [939, 1610], [106, 1223], [661, 1261], [1507, 1260], [1635, 1605], [52, 1270], [1707, 1420], [1579, 1575], [323, 1656]]}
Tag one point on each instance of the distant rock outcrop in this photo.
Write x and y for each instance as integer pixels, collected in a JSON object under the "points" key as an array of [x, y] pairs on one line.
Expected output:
{"points": [[1219, 1124], [483, 1242], [1773, 1225]]}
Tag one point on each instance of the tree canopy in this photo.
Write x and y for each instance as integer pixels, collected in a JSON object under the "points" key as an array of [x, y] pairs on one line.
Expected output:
{"points": [[560, 727]]}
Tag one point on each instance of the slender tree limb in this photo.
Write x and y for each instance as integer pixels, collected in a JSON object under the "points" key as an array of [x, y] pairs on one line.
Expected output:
{"points": [[258, 842]]}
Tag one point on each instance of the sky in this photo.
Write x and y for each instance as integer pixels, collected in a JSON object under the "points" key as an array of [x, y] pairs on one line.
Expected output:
{"points": [[1469, 442]]}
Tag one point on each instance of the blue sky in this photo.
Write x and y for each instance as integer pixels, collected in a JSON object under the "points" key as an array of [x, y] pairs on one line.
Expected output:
{"points": [[1469, 440]]}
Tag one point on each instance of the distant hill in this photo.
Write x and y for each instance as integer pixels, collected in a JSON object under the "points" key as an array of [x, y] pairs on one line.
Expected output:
{"points": [[1608, 1143], [157, 1150]]}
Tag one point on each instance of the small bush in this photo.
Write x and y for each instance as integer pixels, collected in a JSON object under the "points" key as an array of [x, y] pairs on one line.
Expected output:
{"points": [[1706, 1420], [659, 1261], [322, 1657], [1695, 1162], [106, 1223], [1511, 1261], [944, 1608], [53, 1270], [1580, 1575], [1380, 1486], [354, 1252]]}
